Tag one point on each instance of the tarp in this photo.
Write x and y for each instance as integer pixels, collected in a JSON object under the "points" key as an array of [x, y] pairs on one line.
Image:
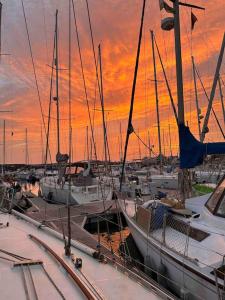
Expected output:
{"points": [[192, 152]]}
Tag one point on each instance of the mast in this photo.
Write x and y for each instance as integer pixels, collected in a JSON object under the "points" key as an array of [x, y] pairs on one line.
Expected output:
{"points": [[26, 148], [166, 80], [180, 93], [183, 175], [196, 97], [42, 147], [3, 150], [102, 106], [149, 145], [57, 81], [47, 150], [171, 153], [87, 143], [0, 29], [216, 76], [164, 148], [221, 99], [68, 243], [157, 102], [118, 139], [130, 128], [139, 146], [121, 142]]}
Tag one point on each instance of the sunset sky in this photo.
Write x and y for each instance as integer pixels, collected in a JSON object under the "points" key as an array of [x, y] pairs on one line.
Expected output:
{"points": [[115, 26]]}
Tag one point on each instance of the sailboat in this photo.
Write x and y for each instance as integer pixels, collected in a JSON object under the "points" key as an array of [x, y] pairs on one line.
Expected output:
{"points": [[82, 187], [182, 240], [34, 266]]}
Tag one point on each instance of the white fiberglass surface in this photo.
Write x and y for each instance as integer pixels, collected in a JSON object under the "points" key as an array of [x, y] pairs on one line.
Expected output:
{"points": [[15, 239], [111, 283], [207, 253]]}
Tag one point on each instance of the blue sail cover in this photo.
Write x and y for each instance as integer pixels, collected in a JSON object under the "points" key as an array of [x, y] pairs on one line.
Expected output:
{"points": [[192, 152]]}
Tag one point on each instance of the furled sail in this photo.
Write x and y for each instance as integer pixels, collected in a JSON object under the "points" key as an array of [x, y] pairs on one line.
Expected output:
{"points": [[192, 152]]}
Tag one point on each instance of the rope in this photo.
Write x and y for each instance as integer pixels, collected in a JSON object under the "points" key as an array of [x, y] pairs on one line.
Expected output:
{"points": [[149, 148], [33, 65], [53, 283]]}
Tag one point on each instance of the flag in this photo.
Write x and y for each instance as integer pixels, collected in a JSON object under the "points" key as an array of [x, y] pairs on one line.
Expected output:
{"points": [[164, 5], [193, 20], [130, 128]]}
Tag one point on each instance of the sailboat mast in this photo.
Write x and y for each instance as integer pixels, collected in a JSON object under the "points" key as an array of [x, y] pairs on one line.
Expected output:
{"points": [[171, 152], [149, 145], [3, 162], [0, 28], [42, 147], [57, 80], [212, 94], [87, 143], [68, 243], [221, 99], [179, 71], [130, 128], [164, 148], [26, 148], [139, 146], [183, 175], [102, 105], [121, 143], [196, 97], [157, 102]]}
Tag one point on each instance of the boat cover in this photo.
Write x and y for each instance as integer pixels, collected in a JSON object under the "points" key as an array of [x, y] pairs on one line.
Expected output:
{"points": [[192, 152]]}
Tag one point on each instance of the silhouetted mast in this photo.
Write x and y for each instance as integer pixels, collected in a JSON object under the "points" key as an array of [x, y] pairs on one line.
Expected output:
{"points": [[157, 102]]}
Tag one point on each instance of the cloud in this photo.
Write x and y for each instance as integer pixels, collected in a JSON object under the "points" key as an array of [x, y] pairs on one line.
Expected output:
{"points": [[115, 25]]}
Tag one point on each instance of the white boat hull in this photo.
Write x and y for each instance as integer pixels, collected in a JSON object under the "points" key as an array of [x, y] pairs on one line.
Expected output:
{"points": [[79, 195], [164, 182], [182, 279]]}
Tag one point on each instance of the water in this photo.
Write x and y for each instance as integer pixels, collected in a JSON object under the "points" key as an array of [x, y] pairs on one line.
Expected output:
{"points": [[113, 240], [33, 188]]}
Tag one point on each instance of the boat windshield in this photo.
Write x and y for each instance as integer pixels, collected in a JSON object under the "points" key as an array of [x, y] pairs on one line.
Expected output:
{"points": [[216, 203]]}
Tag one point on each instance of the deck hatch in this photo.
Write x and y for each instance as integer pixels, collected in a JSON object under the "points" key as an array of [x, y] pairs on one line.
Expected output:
{"points": [[181, 226]]}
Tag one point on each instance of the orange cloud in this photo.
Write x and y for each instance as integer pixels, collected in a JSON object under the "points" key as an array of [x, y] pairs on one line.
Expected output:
{"points": [[115, 25]]}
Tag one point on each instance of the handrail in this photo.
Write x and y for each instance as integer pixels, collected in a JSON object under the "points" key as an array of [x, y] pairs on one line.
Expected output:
{"points": [[74, 277]]}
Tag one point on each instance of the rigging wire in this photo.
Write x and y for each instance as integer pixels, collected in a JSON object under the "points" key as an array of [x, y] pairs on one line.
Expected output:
{"points": [[84, 81], [147, 147], [45, 31], [98, 81], [83, 78], [33, 66], [50, 102], [100, 89], [217, 121], [130, 127]]}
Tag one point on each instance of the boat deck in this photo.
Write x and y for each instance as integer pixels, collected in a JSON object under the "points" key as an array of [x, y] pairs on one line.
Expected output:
{"points": [[44, 278]]}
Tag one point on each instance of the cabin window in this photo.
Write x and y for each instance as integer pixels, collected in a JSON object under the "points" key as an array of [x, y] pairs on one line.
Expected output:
{"points": [[92, 190], [216, 203], [221, 208]]}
